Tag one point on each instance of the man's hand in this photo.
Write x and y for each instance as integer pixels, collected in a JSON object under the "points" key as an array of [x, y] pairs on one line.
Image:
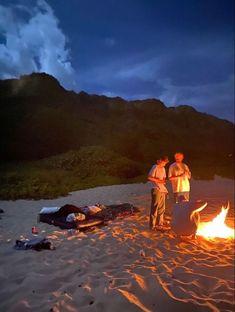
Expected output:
{"points": [[186, 174], [157, 180], [183, 175], [175, 177]]}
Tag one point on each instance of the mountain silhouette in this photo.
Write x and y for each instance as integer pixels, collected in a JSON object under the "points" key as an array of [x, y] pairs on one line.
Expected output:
{"points": [[39, 119]]}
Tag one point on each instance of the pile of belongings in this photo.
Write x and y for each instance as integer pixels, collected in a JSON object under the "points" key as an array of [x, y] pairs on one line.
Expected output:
{"points": [[82, 218], [38, 244]]}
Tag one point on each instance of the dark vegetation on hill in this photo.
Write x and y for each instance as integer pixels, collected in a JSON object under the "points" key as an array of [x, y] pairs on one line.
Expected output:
{"points": [[53, 141]]}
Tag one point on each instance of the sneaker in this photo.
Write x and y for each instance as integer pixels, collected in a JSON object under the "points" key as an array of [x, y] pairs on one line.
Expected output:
{"points": [[158, 227], [162, 228]]}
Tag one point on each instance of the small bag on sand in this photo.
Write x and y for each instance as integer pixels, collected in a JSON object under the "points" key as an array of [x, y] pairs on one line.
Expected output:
{"points": [[38, 244]]}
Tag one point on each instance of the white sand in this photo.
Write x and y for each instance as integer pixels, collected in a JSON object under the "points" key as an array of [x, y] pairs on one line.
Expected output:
{"points": [[103, 270]]}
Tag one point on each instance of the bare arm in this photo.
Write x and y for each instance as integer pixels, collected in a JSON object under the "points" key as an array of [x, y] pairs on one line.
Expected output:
{"points": [[172, 177], [187, 172], [156, 180], [178, 176]]}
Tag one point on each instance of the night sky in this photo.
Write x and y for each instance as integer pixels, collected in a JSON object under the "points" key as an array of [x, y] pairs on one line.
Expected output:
{"points": [[180, 51]]}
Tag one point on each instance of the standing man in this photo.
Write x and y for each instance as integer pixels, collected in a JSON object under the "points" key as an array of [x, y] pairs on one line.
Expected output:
{"points": [[157, 176], [179, 175]]}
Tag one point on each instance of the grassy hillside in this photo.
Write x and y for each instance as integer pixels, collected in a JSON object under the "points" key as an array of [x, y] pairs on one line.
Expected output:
{"points": [[112, 140], [58, 175]]}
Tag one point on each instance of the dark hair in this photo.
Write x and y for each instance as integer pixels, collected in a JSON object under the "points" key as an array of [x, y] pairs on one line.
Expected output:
{"points": [[179, 153], [163, 158]]}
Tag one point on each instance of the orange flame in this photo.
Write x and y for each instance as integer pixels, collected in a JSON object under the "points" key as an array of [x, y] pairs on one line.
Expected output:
{"points": [[216, 227]]}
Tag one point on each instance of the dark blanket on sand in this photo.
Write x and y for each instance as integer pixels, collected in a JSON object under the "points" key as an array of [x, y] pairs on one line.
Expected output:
{"points": [[107, 213]]}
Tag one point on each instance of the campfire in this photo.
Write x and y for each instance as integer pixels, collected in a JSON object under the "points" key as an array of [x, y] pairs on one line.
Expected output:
{"points": [[216, 227]]}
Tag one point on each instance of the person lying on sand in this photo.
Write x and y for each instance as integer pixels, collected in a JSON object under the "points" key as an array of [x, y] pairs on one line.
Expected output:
{"points": [[186, 217], [157, 176], [179, 175]]}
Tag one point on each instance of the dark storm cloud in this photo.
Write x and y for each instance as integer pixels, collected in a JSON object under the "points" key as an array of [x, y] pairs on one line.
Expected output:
{"points": [[205, 64], [135, 81], [134, 88]]}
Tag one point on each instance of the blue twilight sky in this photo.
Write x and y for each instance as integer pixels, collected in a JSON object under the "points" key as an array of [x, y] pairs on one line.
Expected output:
{"points": [[179, 51]]}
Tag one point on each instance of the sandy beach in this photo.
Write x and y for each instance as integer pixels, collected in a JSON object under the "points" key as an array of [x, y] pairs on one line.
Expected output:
{"points": [[103, 270]]}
